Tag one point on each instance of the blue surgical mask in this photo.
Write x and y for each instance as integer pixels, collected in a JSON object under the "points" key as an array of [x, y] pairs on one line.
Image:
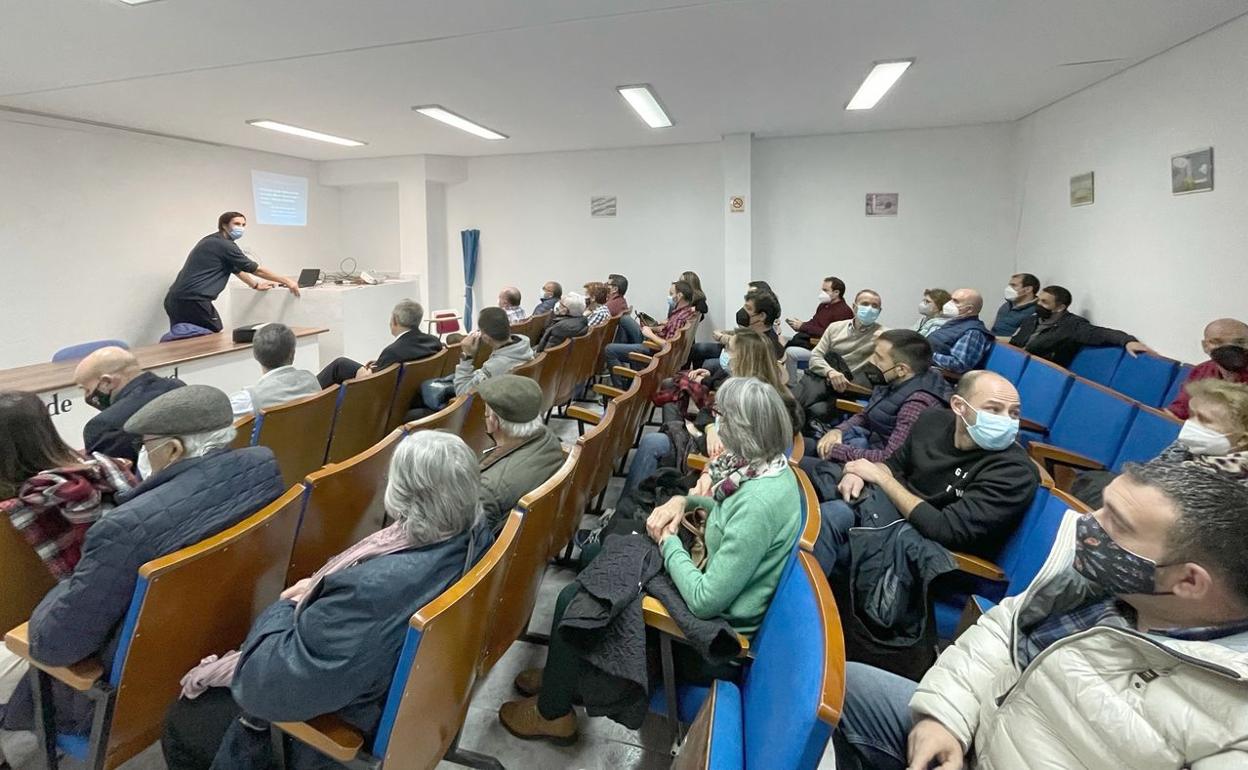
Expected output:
{"points": [[867, 314], [236, 233], [725, 361], [993, 432], [671, 302]]}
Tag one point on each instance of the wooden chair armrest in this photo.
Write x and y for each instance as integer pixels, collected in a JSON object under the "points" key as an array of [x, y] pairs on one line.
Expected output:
{"points": [[973, 565], [327, 734], [581, 414], [857, 390], [851, 407], [640, 358], [657, 617], [81, 676], [624, 371], [697, 462], [652, 345], [1049, 455], [1033, 426], [608, 391]]}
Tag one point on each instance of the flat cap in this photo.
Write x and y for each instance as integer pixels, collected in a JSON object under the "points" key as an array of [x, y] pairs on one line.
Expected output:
{"points": [[512, 397], [183, 411]]}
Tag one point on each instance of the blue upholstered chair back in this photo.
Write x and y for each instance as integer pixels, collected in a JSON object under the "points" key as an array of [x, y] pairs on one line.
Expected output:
{"points": [[1015, 547], [84, 349], [782, 689], [1007, 361], [1144, 378], [1038, 541], [1097, 363], [1176, 384], [1042, 387], [1151, 431], [1092, 422]]}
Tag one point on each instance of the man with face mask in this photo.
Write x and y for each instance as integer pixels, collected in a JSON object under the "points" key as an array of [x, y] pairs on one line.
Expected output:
{"points": [[852, 340], [1019, 305], [526, 453], [568, 321], [1226, 344], [962, 342], [112, 382], [832, 307], [194, 487], [960, 478], [1057, 334], [551, 292], [904, 386], [1129, 650], [208, 269]]}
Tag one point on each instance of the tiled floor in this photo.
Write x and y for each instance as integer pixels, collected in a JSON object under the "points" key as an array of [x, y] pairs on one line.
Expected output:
{"points": [[603, 744]]}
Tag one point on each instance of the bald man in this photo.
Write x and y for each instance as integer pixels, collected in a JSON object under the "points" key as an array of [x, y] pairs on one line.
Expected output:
{"points": [[960, 478], [509, 300], [1226, 344], [962, 343], [113, 382]]}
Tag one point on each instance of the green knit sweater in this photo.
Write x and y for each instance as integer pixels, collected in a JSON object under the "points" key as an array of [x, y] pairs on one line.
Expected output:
{"points": [[750, 536]]}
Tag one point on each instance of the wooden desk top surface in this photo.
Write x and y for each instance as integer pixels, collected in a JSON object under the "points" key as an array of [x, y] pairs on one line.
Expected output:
{"points": [[40, 378]]}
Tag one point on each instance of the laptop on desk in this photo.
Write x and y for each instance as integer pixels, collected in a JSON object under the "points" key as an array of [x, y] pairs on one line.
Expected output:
{"points": [[309, 277]]}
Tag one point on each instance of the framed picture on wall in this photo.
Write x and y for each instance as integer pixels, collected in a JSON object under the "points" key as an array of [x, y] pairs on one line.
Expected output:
{"points": [[881, 204], [1083, 189], [1192, 172], [602, 206]]}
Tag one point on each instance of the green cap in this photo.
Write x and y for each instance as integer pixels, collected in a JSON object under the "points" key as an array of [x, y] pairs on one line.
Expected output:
{"points": [[512, 397]]}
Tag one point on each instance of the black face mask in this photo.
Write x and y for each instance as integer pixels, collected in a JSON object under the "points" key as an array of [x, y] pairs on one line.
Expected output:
{"points": [[875, 375], [743, 318], [1232, 358], [98, 399], [1043, 313]]}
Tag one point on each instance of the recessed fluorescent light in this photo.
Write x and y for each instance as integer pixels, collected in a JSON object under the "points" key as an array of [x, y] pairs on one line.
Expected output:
{"points": [[137, 2], [643, 101], [437, 112], [881, 78], [306, 133]]}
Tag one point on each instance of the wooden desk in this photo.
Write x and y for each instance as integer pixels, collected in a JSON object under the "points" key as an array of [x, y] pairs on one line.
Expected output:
{"points": [[214, 359]]}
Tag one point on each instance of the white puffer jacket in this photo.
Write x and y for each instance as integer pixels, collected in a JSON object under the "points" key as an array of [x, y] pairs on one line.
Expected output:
{"points": [[1103, 698]]}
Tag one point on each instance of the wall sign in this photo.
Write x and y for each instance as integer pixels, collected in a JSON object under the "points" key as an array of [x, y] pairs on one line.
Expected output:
{"points": [[882, 204], [736, 204], [602, 206], [1192, 172], [1083, 189]]}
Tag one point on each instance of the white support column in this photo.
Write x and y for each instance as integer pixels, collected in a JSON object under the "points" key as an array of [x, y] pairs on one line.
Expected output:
{"points": [[738, 232]]}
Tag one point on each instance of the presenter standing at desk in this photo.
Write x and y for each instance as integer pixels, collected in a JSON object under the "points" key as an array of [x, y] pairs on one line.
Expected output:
{"points": [[207, 270]]}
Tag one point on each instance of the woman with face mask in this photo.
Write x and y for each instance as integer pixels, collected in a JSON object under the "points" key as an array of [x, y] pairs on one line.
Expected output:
{"points": [[930, 317], [208, 269], [1215, 436]]}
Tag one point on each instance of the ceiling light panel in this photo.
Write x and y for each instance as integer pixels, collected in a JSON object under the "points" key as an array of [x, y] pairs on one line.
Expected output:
{"points": [[440, 113], [883, 76], [645, 103], [306, 133]]}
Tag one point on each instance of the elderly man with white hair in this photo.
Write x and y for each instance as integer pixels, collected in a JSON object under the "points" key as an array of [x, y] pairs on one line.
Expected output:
{"points": [[567, 322], [331, 643], [526, 452], [961, 343], [194, 487]]}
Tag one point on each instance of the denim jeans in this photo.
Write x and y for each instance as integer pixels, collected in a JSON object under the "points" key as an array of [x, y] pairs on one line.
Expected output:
{"points": [[832, 547], [703, 352], [628, 330], [650, 451], [875, 721], [437, 391], [793, 360], [616, 354]]}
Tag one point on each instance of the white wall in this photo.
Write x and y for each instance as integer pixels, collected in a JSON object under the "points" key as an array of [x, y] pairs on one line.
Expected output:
{"points": [[533, 214], [370, 226], [1141, 259], [95, 223], [954, 227]]}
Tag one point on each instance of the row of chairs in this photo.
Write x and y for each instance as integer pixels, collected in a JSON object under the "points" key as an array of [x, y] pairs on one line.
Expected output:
{"points": [[1072, 423], [1152, 380]]}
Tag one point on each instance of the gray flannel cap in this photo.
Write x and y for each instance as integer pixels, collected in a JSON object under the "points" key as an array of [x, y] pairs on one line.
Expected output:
{"points": [[182, 412]]}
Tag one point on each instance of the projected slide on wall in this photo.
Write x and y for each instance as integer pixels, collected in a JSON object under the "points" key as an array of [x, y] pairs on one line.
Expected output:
{"points": [[280, 199]]}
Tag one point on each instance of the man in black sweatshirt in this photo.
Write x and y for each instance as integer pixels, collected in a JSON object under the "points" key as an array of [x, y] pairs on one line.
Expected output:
{"points": [[960, 478]]}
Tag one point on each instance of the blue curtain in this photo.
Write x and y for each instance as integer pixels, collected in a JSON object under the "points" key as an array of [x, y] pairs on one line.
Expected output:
{"points": [[471, 240]]}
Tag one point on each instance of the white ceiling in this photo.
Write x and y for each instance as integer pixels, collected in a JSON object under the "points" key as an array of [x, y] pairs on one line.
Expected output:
{"points": [[544, 71]]}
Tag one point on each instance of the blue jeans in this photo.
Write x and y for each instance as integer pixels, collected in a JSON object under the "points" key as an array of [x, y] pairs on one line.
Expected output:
{"points": [[875, 721], [616, 354], [628, 330], [703, 352], [832, 547], [650, 452], [857, 437], [438, 391]]}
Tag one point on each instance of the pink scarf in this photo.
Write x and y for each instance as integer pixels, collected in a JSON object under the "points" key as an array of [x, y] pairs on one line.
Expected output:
{"points": [[218, 671]]}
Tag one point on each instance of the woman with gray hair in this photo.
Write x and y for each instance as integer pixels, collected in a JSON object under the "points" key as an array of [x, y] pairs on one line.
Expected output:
{"points": [[304, 656], [751, 505]]}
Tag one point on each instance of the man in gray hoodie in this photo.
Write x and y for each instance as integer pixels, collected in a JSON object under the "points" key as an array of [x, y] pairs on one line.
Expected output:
{"points": [[509, 350]]}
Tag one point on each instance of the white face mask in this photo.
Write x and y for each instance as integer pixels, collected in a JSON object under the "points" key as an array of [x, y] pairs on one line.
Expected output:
{"points": [[951, 310], [1201, 440], [824, 298], [1011, 294], [926, 308], [144, 464]]}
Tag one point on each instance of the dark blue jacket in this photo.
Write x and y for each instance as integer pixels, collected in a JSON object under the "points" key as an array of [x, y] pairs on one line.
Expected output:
{"points": [[339, 655], [1009, 318], [886, 401], [945, 337], [187, 502], [103, 432]]}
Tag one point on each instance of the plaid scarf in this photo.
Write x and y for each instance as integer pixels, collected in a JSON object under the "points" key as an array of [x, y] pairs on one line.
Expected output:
{"points": [[729, 472], [54, 509]]}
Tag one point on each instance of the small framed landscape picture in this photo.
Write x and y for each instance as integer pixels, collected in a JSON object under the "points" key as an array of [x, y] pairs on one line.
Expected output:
{"points": [[1192, 172], [1083, 189], [602, 206], [881, 204]]}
